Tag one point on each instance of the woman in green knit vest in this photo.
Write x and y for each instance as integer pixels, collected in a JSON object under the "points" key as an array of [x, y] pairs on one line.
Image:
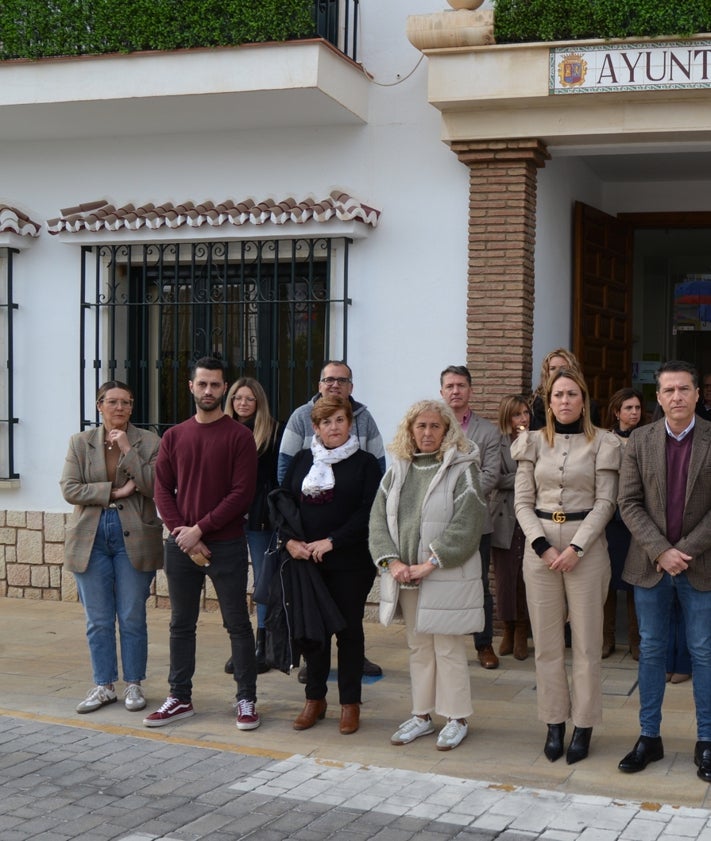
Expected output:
{"points": [[425, 528]]}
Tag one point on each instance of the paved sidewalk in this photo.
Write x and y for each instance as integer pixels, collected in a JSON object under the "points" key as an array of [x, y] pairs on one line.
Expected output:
{"points": [[105, 776]]}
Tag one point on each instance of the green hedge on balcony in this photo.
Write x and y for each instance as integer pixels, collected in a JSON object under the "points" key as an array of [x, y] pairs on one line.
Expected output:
{"points": [[555, 20], [38, 28]]}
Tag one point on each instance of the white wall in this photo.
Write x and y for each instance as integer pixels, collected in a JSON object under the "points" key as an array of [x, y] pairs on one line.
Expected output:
{"points": [[407, 280]]}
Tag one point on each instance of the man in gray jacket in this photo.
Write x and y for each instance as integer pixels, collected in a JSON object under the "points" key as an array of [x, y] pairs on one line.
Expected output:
{"points": [[456, 390]]}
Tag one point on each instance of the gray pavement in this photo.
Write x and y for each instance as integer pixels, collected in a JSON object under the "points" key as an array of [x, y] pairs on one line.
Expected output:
{"points": [[103, 776]]}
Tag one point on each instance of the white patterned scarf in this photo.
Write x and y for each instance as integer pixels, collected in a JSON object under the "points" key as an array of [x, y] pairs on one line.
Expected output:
{"points": [[320, 478]]}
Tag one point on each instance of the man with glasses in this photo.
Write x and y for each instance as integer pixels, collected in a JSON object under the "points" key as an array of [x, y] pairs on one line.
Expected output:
{"points": [[336, 380], [456, 391], [206, 474]]}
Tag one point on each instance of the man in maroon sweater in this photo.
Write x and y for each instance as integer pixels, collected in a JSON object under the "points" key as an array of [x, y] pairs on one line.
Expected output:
{"points": [[205, 481]]}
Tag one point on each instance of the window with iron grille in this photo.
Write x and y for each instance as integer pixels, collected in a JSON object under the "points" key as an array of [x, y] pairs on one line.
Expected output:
{"points": [[7, 410], [266, 307]]}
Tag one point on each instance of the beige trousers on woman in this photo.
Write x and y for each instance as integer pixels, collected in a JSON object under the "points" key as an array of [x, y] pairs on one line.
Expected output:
{"points": [[577, 596], [439, 671]]}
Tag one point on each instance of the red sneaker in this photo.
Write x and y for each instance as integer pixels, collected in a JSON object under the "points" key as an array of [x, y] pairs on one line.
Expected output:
{"points": [[172, 710], [247, 716]]}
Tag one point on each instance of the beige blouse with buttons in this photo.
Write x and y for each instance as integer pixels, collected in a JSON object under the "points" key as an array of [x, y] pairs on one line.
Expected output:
{"points": [[572, 476]]}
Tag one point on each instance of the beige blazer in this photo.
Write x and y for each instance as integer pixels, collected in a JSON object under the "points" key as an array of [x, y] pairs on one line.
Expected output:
{"points": [[643, 500], [85, 484], [573, 475]]}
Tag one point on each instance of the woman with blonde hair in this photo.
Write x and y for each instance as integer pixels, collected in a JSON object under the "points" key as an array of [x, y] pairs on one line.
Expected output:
{"points": [[247, 403], [565, 494], [553, 362], [425, 528]]}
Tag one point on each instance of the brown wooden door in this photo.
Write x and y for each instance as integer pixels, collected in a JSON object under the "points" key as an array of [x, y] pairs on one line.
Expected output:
{"points": [[602, 302]]}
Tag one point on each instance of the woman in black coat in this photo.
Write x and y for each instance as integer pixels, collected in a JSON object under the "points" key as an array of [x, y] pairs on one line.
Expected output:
{"points": [[334, 484]]}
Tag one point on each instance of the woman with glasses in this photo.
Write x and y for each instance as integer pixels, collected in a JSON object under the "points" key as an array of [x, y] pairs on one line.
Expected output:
{"points": [[113, 542], [247, 403]]}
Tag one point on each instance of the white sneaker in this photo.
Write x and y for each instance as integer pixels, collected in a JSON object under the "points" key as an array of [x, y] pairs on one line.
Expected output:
{"points": [[412, 729], [134, 699], [452, 734], [99, 696]]}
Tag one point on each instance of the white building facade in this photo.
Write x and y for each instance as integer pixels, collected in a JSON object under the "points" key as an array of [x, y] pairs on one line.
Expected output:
{"points": [[435, 202]]}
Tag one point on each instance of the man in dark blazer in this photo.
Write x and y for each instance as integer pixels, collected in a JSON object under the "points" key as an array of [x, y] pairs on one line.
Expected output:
{"points": [[665, 501]]}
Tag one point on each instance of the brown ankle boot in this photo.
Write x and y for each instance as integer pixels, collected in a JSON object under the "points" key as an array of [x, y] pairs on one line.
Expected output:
{"points": [[312, 712], [507, 641], [350, 718], [520, 646], [608, 623]]}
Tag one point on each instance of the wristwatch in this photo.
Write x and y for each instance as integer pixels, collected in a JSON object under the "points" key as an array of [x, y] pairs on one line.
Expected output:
{"points": [[578, 550]]}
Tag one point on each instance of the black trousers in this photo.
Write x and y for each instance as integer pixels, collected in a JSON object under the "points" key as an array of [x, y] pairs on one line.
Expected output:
{"points": [[349, 590]]}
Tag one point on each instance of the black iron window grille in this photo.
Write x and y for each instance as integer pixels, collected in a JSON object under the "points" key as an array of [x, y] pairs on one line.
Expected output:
{"points": [[271, 309], [7, 407], [337, 23]]}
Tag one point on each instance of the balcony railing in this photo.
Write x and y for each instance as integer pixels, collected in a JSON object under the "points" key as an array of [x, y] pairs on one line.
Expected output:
{"points": [[337, 23]]}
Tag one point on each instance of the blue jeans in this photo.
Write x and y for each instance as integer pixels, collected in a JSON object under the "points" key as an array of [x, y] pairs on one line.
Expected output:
{"points": [[112, 588], [678, 658], [228, 573], [654, 607], [258, 542]]}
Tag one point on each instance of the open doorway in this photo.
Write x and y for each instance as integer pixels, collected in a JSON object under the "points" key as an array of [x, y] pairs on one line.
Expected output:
{"points": [[671, 302], [642, 295]]}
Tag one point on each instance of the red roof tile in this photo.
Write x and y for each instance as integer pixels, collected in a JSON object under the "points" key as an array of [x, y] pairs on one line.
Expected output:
{"points": [[100, 215], [15, 222]]}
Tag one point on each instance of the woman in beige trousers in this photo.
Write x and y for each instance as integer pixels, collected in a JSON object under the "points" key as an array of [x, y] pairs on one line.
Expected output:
{"points": [[565, 493]]}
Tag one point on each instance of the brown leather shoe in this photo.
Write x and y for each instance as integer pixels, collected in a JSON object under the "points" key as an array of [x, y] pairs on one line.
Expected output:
{"points": [[312, 712], [487, 658], [350, 718]]}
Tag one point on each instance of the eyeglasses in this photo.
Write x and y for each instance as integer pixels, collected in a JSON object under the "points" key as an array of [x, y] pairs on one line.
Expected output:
{"points": [[115, 404], [244, 399], [339, 380]]}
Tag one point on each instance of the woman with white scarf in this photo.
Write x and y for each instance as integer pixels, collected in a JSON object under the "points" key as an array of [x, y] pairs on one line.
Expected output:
{"points": [[334, 484]]}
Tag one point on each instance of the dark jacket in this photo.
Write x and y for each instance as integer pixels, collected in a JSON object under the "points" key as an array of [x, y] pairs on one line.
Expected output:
{"points": [[301, 614]]}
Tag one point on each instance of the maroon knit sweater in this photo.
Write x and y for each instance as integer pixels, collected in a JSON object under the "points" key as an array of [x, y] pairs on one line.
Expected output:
{"points": [[678, 456], [206, 474]]}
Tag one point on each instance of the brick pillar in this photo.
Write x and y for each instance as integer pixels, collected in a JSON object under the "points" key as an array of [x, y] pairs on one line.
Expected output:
{"points": [[502, 233]]}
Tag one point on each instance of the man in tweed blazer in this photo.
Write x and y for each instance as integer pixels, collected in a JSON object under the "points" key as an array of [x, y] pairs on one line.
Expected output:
{"points": [[665, 501]]}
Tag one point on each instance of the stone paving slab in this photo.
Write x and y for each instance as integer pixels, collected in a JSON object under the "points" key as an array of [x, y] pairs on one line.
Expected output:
{"points": [[225, 795]]}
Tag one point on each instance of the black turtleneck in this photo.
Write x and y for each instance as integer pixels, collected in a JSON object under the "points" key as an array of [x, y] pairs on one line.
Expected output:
{"points": [[569, 428], [623, 433]]}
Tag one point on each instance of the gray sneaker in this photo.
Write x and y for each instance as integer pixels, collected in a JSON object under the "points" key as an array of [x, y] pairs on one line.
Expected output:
{"points": [[134, 699], [99, 696], [412, 729]]}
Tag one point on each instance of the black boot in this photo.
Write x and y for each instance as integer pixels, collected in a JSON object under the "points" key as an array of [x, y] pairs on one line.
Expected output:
{"points": [[261, 651], [553, 747], [579, 745]]}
